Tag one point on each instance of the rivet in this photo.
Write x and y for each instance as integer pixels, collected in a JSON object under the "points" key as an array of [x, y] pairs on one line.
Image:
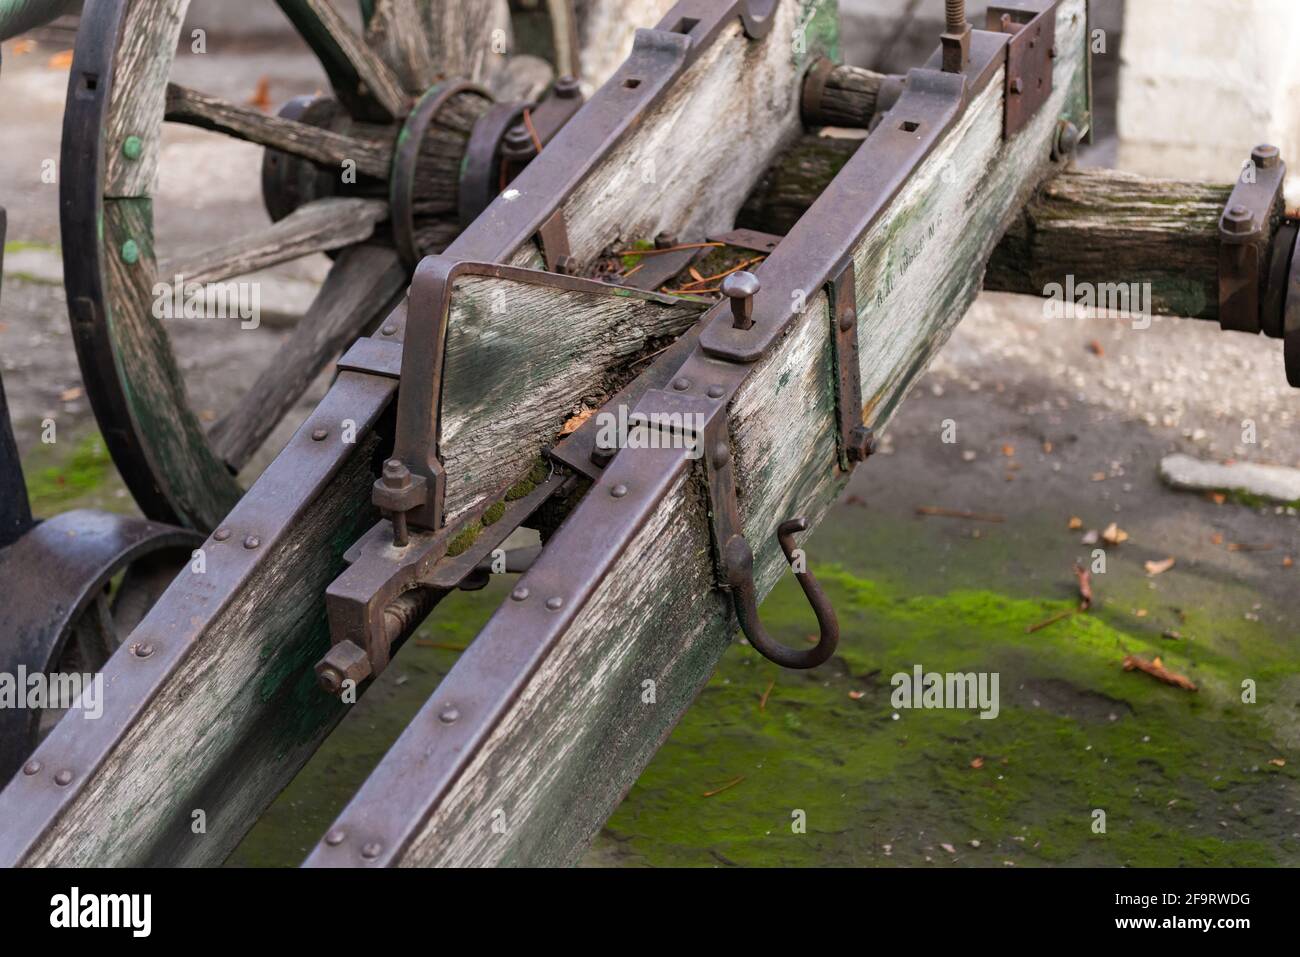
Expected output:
{"points": [[252, 541], [721, 454], [388, 330], [618, 491], [716, 391], [32, 767], [142, 649], [555, 603], [520, 593], [1017, 85], [371, 850], [335, 837], [132, 147], [449, 715], [681, 385], [846, 322], [130, 252], [221, 534], [63, 778], [319, 435]]}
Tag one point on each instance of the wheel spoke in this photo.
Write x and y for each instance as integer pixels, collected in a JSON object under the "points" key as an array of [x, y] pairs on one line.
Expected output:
{"points": [[427, 40], [310, 142], [356, 71], [316, 227], [362, 287]]}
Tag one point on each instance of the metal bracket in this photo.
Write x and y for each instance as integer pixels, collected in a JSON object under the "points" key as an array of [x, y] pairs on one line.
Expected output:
{"points": [[1030, 56], [1253, 214], [855, 441]]}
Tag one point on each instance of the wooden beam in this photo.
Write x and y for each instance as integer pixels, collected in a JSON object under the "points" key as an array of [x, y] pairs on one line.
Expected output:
{"points": [[227, 709], [426, 40], [1103, 226], [360, 289], [300, 139], [1097, 225], [316, 227], [578, 733]]}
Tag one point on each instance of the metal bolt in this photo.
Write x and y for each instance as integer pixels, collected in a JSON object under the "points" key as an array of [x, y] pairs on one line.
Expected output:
{"points": [[567, 87], [1266, 156], [681, 385], [602, 455], [335, 837], [1017, 85], [251, 542], [665, 240], [956, 37], [388, 330], [519, 594], [846, 320], [721, 455], [221, 534], [861, 444], [142, 649], [555, 603], [32, 767], [319, 435], [449, 714], [716, 392], [63, 778], [132, 147], [371, 850], [130, 252], [1238, 219], [741, 288], [618, 491], [398, 478]]}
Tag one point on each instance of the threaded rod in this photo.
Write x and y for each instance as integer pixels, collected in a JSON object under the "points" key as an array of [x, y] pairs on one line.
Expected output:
{"points": [[956, 15]]}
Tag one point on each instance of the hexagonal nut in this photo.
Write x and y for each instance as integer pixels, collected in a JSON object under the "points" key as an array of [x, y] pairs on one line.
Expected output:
{"points": [[390, 499], [861, 444], [344, 662]]}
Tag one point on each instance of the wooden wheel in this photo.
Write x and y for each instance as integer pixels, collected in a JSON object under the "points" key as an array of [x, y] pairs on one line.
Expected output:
{"points": [[404, 99]]}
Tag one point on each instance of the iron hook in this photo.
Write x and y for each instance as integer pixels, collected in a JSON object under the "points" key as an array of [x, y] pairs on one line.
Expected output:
{"points": [[739, 558]]}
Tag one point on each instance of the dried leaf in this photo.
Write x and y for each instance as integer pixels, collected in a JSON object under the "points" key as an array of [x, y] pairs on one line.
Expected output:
{"points": [[1159, 568], [67, 395], [949, 848], [1287, 561], [1095, 348], [1216, 539], [857, 695], [1085, 587], [1099, 476], [1075, 523], [1008, 450], [1277, 762], [1114, 535], [261, 97], [977, 763], [60, 61], [21, 47], [1218, 498], [1157, 669]]}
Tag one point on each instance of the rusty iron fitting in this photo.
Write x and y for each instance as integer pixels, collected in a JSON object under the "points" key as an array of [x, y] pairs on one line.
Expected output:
{"points": [[741, 288]]}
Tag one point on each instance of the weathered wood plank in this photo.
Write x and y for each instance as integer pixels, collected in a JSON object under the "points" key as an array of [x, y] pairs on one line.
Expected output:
{"points": [[426, 40], [193, 478], [322, 146], [317, 227], [570, 745], [1103, 226], [362, 287], [1099, 226], [381, 81], [150, 32], [188, 746]]}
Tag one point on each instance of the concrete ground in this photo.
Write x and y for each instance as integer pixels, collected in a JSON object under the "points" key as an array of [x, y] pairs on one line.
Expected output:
{"points": [[1054, 420]]}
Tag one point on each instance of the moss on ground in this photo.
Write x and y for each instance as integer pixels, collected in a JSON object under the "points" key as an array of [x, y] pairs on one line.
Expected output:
{"points": [[75, 473]]}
